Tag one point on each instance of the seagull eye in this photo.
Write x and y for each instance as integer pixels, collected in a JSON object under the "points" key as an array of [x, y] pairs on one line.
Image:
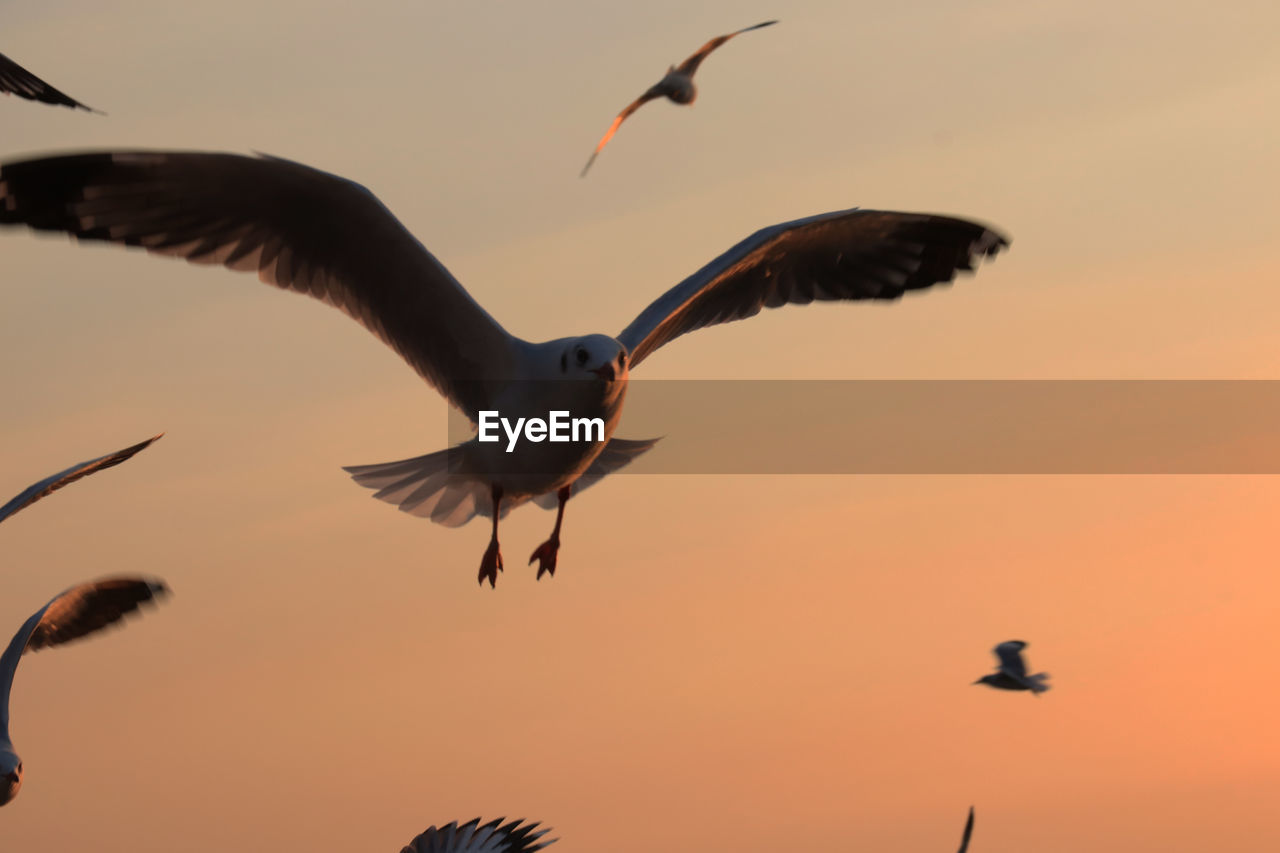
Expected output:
{"points": [[580, 356]]}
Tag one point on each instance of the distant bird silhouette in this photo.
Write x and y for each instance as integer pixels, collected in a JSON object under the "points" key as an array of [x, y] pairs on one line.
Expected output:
{"points": [[1012, 672], [80, 611], [676, 85], [968, 831], [16, 80], [39, 490], [472, 837]]}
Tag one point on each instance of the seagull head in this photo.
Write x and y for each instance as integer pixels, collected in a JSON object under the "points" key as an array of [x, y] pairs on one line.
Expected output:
{"points": [[10, 775], [597, 357]]}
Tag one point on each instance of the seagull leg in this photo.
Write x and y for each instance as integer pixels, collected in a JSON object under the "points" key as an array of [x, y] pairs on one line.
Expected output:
{"points": [[547, 551], [491, 564]]}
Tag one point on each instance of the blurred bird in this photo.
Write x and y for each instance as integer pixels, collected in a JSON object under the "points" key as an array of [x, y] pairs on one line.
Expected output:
{"points": [[968, 831], [48, 485], [676, 85], [493, 837], [1012, 672], [305, 230], [16, 80], [80, 611]]}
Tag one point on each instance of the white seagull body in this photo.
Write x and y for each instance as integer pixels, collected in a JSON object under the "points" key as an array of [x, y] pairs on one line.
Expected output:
{"points": [[676, 86], [473, 837], [80, 611], [36, 491], [1012, 672], [312, 232], [16, 80]]}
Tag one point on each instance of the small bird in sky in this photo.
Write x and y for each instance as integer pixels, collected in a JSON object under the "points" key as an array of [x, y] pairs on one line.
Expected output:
{"points": [[16, 80], [968, 831], [78, 612], [36, 491], [676, 85], [472, 837], [1012, 672], [305, 230]]}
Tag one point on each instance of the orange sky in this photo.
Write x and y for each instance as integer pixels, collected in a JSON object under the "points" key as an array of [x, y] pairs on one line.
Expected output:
{"points": [[721, 663]]}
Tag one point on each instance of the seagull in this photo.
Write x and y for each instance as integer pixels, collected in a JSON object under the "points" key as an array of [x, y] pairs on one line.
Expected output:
{"points": [[80, 611], [1012, 672], [16, 80], [315, 233], [472, 837], [968, 831], [676, 86], [48, 485]]}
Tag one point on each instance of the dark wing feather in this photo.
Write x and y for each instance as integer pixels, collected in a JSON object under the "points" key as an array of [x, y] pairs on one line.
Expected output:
{"points": [[472, 837], [690, 65], [43, 488], [968, 831], [655, 91], [299, 228], [847, 255], [1009, 654], [78, 612], [17, 80]]}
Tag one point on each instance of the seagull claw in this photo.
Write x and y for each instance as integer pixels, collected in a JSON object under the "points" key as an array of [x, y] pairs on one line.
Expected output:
{"points": [[545, 554], [491, 564]]}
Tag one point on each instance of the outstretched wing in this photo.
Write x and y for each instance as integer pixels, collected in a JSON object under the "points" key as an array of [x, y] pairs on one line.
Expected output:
{"points": [[655, 91], [968, 831], [691, 64], [41, 489], [16, 80], [846, 255], [471, 837], [80, 611], [299, 228], [1010, 656]]}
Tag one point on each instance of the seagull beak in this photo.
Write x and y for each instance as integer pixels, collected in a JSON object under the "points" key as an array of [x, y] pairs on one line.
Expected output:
{"points": [[606, 372]]}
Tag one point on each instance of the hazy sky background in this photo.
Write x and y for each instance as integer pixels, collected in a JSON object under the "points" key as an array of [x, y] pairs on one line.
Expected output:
{"points": [[722, 663]]}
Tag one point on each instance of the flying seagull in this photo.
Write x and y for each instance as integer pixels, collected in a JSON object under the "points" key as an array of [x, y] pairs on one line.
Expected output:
{"points": [[36, 491], [472, 837], [16, 80], [80, 611], [676, 85], [305, 230], [968, 831], [1012, 672]]}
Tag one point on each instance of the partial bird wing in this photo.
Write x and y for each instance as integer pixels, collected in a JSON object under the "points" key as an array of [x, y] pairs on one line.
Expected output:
{"points": [[691, 64], [846, 255], [471, 837], [41, 489], [297, 227], [78, 612], [16, 80], [1010, 656], [968, 831], [655, 91]]}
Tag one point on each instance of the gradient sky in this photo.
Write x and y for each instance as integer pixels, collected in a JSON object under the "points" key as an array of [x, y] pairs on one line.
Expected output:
{"points": [[722, 663]]}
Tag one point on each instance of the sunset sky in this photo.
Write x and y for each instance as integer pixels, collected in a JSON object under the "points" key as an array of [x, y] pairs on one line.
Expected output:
{"points": [[722, 663]]}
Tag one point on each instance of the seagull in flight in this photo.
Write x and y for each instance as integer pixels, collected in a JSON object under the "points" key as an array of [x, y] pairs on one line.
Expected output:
{"points": [[36, 491], [968, 831], [473, 837], [676, 86], [1012, 672], [315, 233], [16, 80], [79, 612]]}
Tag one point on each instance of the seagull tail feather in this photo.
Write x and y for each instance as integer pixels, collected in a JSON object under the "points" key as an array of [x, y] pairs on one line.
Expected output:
{"points": [[430, 486]]}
